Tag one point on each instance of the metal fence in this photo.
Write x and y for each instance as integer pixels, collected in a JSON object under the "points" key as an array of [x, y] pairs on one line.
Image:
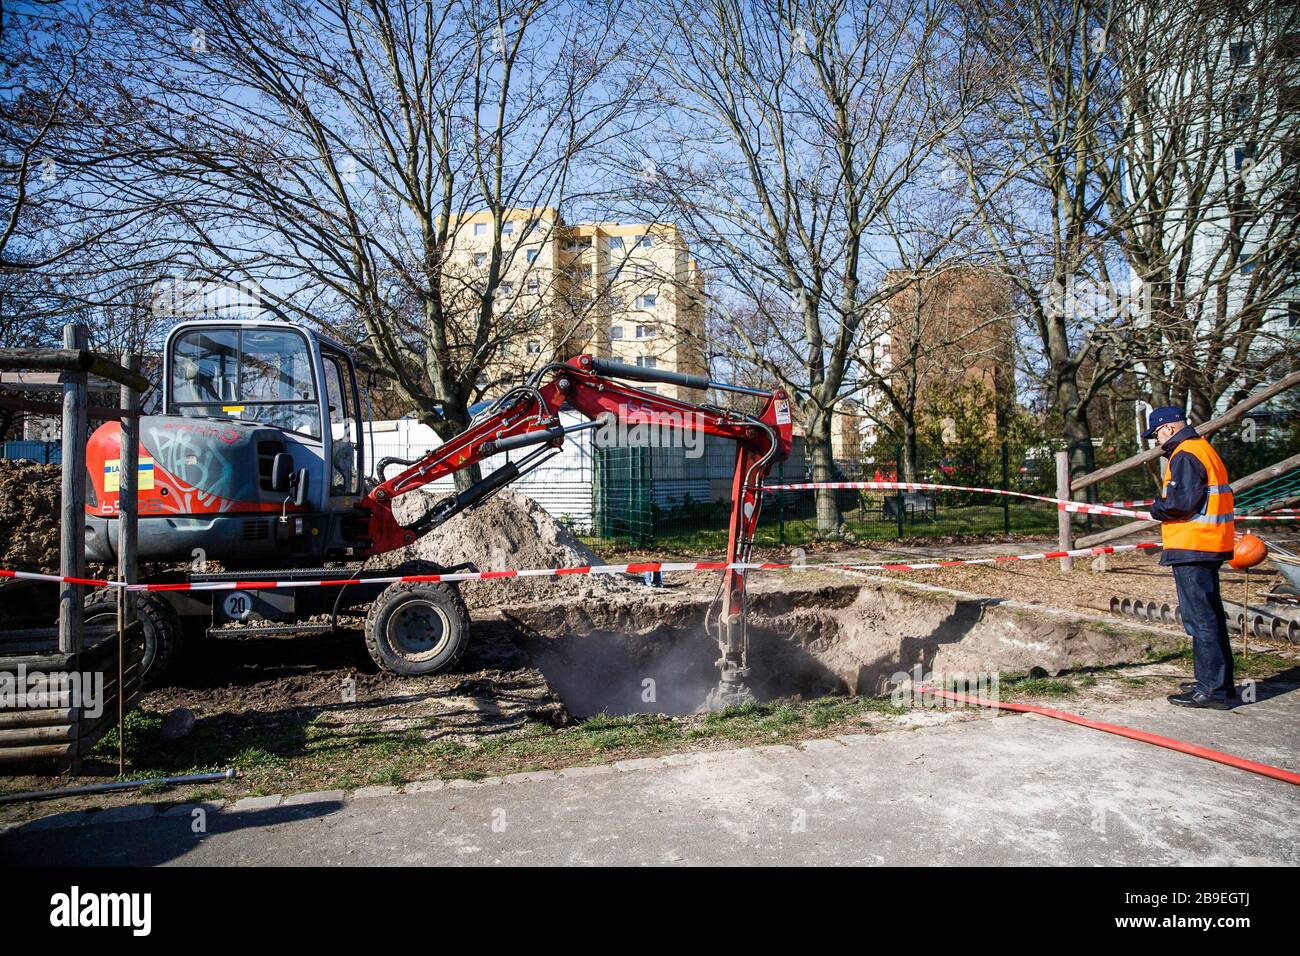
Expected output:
{"points": [[42, 452], [663, 496]]}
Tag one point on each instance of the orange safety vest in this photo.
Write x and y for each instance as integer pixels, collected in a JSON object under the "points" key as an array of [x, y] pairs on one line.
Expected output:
{"points": [[1212, 529]]}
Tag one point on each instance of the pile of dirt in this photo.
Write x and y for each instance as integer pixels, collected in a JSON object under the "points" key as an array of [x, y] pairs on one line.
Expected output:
{"points": [[509, 531], [29, 516]]}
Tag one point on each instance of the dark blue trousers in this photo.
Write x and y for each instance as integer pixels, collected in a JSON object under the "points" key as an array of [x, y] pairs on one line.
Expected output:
{"points": [[1206, 623]]}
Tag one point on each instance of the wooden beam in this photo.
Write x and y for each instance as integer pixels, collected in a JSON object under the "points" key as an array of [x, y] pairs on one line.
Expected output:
{"points": [[1232, 415], [49, 382], [1253, 480], [69, 359], [72, 508], [51, 408], [1063, 518]]}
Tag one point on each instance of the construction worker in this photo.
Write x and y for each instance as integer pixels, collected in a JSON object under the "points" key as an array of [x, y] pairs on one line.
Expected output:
{"points": [[1195, 511]]}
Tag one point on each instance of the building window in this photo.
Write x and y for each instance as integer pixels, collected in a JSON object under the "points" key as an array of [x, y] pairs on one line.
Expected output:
{"points": [[534, 285], [617, 303], [615, 242], [1248, 265], [534, 347], [616, 331], [506, 288], [1243, 156], [531, 255], [508, 228], [647, 361], [1243, 105], [480, 259], [480, 229], [646, 241], [1293, 315], [645, 331], [646, 301], [1241, 54]]}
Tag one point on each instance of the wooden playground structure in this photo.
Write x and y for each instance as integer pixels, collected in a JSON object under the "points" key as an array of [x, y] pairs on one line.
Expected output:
{"points": [[68, 684]]}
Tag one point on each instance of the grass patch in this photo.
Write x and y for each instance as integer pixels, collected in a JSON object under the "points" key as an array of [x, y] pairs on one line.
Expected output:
{"points": [[1036, 687], [1259, 664], [301, 751], [307, 750]]}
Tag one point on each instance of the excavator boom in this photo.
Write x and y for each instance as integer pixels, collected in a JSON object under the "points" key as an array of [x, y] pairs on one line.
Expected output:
{"points": [[529, 416]]}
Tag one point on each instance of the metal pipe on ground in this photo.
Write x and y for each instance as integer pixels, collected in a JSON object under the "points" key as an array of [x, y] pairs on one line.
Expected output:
{"points": [[1262, 623], [228, 774]]}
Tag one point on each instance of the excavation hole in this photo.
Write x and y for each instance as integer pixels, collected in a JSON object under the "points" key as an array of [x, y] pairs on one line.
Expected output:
{"points": [[655, 657]]}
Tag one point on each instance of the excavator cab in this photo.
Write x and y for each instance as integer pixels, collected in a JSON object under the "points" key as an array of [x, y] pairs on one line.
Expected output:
{"points": [[257, 452]]}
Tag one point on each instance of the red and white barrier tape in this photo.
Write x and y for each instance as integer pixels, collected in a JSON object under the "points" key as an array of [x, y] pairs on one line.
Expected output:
{"points": [[1273, 514], [1115, 508], [640, 567], [1080, 507]]}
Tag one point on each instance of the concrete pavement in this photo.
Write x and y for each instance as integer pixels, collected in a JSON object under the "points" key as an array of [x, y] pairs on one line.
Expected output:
{"points": [[1011, 791]]}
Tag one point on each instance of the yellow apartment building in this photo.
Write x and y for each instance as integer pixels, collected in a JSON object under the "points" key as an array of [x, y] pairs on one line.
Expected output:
{"points": [[630, 292]]}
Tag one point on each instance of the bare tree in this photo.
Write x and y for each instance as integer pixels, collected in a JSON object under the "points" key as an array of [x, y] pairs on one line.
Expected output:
{"points": [[75, 239], [1032, 159], [336, 151], [1202, 193], [798, 137]]}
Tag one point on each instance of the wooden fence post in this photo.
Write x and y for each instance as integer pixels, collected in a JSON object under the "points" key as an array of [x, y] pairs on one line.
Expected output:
{"points": [[128, 502], [1062, 516], [72, 516]]}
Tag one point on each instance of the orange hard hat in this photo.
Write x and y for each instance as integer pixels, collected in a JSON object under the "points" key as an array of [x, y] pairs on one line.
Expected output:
{"points": [[1248, 552]]}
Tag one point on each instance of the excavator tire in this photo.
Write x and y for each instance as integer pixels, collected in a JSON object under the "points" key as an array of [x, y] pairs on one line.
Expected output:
{"points": [[417, 628], [162, 631]]}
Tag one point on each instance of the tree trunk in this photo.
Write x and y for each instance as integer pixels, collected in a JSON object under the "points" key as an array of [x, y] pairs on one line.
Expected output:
{"points": [[817, 443], [1078, 438], [455, 419], [911, 454], [1200, 406]]}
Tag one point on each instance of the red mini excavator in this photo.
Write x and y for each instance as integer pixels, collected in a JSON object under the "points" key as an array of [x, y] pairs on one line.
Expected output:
{"points": [[257, 461]]}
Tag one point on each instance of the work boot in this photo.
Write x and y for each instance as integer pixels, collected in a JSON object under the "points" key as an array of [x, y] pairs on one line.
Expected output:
{"points": [[1194, 698]]}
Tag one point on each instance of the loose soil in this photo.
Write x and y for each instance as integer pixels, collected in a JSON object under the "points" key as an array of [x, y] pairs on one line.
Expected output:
{"points": [[509, 531], [29, 516]]}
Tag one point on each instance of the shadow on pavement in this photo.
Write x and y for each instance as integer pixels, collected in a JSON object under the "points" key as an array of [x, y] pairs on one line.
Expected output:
{"points": [[148, 841]]}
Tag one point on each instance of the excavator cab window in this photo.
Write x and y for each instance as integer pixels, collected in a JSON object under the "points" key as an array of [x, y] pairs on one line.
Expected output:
{"points": [[345, 425], [250, 374]]}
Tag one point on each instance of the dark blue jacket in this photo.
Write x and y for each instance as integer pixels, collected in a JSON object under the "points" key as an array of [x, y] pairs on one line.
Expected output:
{"points": [[1184, 496]]}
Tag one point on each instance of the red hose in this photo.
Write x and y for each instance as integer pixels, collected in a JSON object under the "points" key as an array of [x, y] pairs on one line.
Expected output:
{"points": [[1205, 753]]}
